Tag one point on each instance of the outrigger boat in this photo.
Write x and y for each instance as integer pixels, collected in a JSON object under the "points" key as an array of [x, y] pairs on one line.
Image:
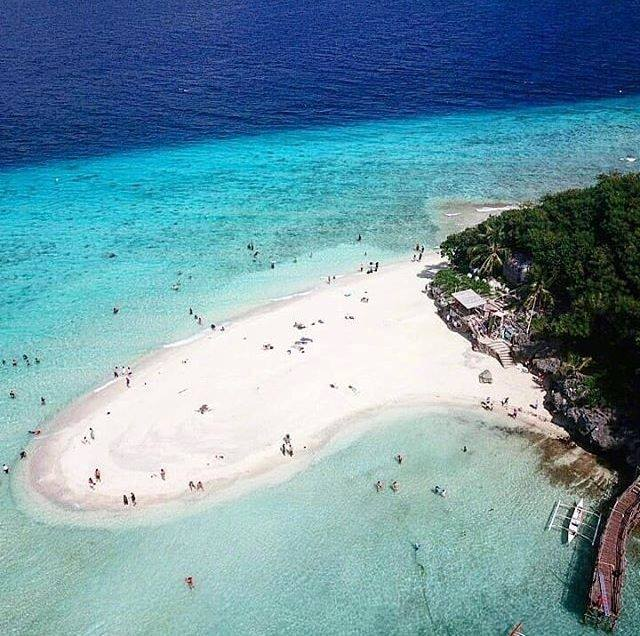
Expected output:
{"points": [[576, 519], [517, 630]]}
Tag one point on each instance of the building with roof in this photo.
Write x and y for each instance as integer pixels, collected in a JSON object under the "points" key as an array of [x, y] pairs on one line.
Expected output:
{"points": [[468, 300]]}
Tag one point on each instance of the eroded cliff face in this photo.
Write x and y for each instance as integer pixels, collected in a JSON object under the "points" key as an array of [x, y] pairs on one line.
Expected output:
{"points": [[612, 433]]}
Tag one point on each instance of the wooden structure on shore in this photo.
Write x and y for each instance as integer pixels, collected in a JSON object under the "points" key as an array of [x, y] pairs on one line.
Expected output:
{"points": [[605, 595]]}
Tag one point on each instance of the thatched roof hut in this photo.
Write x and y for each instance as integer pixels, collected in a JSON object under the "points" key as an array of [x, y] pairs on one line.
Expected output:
{"points": [[485, 377]]}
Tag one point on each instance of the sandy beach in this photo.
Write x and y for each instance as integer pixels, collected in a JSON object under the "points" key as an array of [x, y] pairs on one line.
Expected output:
{"points": [[216, 409]]}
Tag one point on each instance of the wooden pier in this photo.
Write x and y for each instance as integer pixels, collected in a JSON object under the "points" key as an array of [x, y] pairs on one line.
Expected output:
{"points": [[605, 595]]}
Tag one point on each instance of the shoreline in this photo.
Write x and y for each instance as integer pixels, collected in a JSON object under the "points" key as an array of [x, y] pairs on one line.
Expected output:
{"points": [[59, 463]]}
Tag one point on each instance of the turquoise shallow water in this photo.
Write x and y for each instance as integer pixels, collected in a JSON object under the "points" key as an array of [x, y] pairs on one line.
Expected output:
{"points": [[325, 554], [302, 197]]}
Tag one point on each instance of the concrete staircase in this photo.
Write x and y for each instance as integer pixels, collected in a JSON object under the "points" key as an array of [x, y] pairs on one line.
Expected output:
{"points": [[498, 349]]}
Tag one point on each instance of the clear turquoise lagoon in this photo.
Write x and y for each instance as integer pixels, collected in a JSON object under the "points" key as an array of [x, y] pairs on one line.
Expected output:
{"points": [[321, 553], [324, 553]]}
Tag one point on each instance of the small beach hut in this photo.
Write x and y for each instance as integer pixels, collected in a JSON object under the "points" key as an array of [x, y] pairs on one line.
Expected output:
{"points": [[485, 377], [467, 301]]}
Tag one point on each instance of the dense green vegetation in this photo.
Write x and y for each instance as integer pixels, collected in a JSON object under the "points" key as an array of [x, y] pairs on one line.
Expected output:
{"points": [[451, 281], [584, 286]]}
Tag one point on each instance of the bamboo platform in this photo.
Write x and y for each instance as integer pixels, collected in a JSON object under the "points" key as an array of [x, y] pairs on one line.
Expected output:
{"points": [[605, 596]]}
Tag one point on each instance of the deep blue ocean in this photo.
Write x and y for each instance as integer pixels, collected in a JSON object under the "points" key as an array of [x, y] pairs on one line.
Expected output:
{"points": [[143, 144], [84, 78]]}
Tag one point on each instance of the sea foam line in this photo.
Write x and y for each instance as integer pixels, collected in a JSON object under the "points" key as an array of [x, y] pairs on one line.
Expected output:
{"points": [[105, 385], [290, 296], [498, 208], [184, 341]]}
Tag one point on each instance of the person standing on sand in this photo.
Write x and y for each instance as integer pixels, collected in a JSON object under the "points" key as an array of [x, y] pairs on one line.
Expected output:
{"points": [[97, 475], [199, 486], [125, 500], [162, 474], [133, 499], [91, 433], [192, 486], [128, 382], [91, 483]]}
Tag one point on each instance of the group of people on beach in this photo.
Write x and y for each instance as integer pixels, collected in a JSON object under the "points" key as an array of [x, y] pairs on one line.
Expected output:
{"points": [[487, 405], [418, 252], [286, 448], [373, 267], [87, 439], [196, 487], [119, 371], [95, 479], [131, 498], [122, 372]]}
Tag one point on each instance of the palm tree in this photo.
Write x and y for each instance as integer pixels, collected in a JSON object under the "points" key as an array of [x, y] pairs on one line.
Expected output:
{"points": [[488, 253], [538, 297], [574, 364]]}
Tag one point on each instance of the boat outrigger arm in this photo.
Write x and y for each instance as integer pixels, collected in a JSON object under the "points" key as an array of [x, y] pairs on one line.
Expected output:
{"points": [[574, 518]]}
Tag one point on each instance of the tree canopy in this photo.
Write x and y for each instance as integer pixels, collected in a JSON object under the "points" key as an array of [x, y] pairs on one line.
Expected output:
{"points": [[585, 246]]}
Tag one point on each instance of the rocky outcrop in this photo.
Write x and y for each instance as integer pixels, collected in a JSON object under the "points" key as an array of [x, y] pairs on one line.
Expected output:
{"points": [[608, 432]]}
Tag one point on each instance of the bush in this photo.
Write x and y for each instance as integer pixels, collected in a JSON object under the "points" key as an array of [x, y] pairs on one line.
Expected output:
{"points": [[450, 281]]}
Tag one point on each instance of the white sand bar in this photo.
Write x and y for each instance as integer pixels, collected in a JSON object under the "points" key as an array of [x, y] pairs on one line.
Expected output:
{"points": [[395, 350]]}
